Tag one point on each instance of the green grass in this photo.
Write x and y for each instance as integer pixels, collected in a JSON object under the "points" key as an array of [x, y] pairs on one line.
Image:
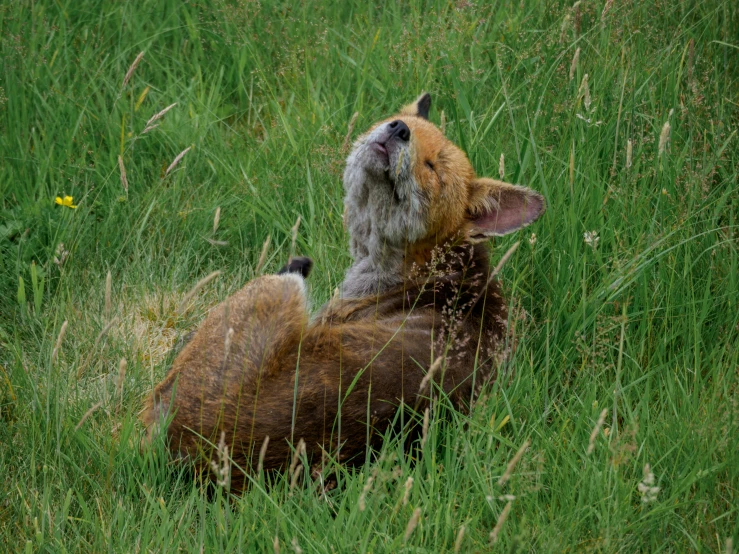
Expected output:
{"points": [[646, 325]]}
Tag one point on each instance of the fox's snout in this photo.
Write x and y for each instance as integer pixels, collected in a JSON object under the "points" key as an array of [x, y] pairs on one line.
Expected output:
{"points": [[399, 130], [388, 141]]}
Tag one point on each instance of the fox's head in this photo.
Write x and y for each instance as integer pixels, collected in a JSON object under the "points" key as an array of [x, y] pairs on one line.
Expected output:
{"points": [[409, 187]]}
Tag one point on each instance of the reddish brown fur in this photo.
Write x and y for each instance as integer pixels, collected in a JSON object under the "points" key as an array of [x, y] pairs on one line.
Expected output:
{"points": [[359, 358], [389, 339]]}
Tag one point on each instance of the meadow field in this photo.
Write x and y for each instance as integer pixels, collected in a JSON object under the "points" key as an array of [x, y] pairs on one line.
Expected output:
{"points": [[620, 405]]}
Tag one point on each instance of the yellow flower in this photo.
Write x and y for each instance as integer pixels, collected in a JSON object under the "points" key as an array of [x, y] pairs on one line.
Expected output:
{"points": [[66, 202]]}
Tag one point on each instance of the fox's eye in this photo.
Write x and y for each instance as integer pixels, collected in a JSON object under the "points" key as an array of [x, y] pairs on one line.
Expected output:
{"points": [[429, 165]]}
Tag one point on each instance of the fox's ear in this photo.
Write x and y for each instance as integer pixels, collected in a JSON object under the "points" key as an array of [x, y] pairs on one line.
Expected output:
{"points": [[496, 208], [420, 107]]}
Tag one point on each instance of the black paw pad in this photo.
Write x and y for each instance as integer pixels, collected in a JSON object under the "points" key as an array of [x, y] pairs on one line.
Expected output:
{"points": [[299, 264]]}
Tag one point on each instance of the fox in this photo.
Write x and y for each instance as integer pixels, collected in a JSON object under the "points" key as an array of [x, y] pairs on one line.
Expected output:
{"points": [[419, 313]]}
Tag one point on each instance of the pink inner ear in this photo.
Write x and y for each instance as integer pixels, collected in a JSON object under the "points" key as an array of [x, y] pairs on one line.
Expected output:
{"points": [[516, 209]]}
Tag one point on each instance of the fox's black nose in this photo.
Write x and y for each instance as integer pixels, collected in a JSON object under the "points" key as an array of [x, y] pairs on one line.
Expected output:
{"points": [[400, 130]]}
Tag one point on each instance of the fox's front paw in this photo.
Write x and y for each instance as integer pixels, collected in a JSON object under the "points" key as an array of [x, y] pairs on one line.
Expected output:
{"points": [[299, 264]]}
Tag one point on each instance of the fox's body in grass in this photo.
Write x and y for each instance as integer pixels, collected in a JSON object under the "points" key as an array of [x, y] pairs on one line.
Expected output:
{"points": [[418, 290]]}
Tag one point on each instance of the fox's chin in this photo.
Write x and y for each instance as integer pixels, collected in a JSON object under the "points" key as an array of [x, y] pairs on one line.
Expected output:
{"points": [[382, 168], [384, 159], [376, 166]]}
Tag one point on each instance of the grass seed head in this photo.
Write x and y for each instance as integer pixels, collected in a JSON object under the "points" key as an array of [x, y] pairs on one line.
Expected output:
{"points": [[408, 487], [646, 486], [458, 541], [294, 232], [226, 314], [425, 428], [605, 11], [88, 413], [263, 255], [629, 153], [299, 450], [131, 69], [141, 98], [193, 291], [591, 238], [177, 160], [157, 116], [512, 464], [100, 336], [504, 260], [566, 22], [262, 454], [499, 525], [227, 343], [61, 255], [596, 430], [664, 137], [430, 374], [295, 476], [124, 179], [59, 340], [216, 219], [108, 295], [216, 242], [501, 166], [584, 92], [412, 523], [365, 491], [349, 131], [222, 468], [122, 365], [573, 65]]}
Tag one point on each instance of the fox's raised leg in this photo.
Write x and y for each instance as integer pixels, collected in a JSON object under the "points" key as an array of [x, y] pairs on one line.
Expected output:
{"points": [[238, 343]]}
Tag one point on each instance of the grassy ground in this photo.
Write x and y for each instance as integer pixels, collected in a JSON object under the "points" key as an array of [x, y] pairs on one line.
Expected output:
{"points": [[641, 322]]}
